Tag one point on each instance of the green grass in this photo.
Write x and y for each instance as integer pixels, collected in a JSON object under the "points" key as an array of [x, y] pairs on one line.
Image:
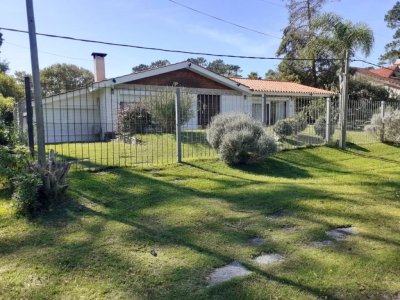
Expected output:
{"points": [[199, 216], [160, 149]]}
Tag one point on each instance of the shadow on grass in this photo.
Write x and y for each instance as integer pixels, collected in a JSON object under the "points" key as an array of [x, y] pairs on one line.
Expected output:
{"points": [[356, 147]]}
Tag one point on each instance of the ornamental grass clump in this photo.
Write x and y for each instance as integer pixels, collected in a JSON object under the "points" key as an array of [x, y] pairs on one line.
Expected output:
{"points": [[239, 139]]}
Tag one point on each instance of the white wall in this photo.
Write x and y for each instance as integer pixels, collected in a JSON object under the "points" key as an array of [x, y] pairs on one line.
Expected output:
{"points": [[72, 117]]}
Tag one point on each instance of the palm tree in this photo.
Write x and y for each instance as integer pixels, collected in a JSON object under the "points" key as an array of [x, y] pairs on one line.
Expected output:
{"points": [[338, 36]]}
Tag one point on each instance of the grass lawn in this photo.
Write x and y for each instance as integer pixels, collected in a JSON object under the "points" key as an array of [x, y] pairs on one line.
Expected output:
{"points": [[200, 215], [160, 149]]}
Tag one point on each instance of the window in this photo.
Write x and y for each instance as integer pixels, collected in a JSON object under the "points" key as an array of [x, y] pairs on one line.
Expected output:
{"points": [[208, 106]]}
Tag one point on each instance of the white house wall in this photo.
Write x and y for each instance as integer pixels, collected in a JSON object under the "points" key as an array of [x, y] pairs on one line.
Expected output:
{"points": [[72, 118]]}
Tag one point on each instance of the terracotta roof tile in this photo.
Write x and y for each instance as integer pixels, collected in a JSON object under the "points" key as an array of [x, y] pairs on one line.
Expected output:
{"points": [[383, 72], [284, 87], [390, 81]]}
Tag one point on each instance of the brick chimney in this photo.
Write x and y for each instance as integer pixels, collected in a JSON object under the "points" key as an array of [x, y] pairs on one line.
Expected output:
{"points": [[99, 66]]}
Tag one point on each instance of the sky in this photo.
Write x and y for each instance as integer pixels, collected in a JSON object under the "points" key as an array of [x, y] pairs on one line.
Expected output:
{"points": [[163, 24]]}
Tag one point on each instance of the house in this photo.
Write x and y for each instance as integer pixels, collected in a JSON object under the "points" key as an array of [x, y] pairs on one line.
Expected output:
{"points": [[388, 78], [90, 113]]}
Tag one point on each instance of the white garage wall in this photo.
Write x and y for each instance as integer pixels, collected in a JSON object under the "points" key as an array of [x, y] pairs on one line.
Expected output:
{"points": [[71, 117]]}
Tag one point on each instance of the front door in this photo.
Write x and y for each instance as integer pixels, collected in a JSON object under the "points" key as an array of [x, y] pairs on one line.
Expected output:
{"points": [[208, 106]]}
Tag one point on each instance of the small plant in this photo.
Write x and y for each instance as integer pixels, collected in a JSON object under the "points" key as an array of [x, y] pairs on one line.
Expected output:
{"points": [[13, 161], [283, 127], [240, 139], [320, 127], [26, 194], [41, 188], [133, 119]]}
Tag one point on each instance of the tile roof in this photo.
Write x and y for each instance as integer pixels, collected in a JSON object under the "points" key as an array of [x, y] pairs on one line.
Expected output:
{"points": [[380, 75], [281, 87]]}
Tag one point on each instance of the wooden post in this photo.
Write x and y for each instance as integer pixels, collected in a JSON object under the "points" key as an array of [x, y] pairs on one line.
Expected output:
{"points": [[29, 115], [36, 84], [178, 125], [383, 107], [328, 121], [344, 103], [263, 109]]}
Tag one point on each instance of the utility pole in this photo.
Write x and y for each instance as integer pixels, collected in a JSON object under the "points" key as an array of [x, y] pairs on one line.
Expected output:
{"points": [[36, 84], [344, 102]]}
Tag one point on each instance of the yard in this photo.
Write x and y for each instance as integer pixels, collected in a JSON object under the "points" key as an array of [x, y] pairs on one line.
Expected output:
{"points": [[159, 232]]}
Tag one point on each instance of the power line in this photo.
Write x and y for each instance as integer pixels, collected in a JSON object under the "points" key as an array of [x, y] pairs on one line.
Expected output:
{"points": [[168, 50], [223, 20], [49, 53]]}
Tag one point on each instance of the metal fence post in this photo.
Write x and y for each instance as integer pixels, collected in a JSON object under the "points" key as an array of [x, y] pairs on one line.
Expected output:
{"points": [[178, 125], [29, 114], [263, 110], [344, 103], [328, 121], [383, 107]]}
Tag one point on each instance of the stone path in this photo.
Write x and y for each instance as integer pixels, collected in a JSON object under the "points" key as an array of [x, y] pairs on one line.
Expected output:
{"points": [[268, 259], [341, 233], [225, 273]]}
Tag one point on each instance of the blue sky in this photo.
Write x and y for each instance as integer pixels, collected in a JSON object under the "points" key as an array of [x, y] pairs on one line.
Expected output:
{"points": [[160, 23]]}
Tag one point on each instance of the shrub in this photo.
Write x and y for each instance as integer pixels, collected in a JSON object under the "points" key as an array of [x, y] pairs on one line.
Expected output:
{"points": [[299, 123], [26, 194], [224, 123], [320, 128], [162, 108], [387, 128], [283, 128], [240, 139], [13, 161], [133, 118]]}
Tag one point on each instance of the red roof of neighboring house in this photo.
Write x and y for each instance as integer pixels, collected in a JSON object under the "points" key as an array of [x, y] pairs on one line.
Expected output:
{"points": [[382, 75], [387, 72], [276, 86]]}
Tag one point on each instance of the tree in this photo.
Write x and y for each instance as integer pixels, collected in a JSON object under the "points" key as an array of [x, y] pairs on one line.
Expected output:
{"points": [[295, 36], [9, 87], [3, 63], [253, 75], [392, 49], [220, 67], [271, 75], [336, 35], [154, 65], [60, 78], [200, 61], [217, 66]]}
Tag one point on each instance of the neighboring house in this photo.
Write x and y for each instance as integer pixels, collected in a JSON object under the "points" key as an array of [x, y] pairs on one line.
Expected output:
{"points": [[388, 78], [90, 114]]}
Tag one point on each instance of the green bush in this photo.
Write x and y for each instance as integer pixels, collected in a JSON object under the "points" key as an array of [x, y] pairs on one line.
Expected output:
{"points": [[27, 194], [161, 107], [283, 128], [134, 118], [387, 128], [224, 123], [13, 162], [240, 139], [299, 123], [320, 127]]}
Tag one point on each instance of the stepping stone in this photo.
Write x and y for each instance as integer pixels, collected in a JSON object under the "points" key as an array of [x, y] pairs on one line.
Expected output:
{"points": [[319, 244], [289, 227], [226, 273], [277, 215], [341, 233], [256, 241], [268, 259]]}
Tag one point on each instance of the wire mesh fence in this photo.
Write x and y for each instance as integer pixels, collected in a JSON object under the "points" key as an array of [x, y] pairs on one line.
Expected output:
{"points": [[136, 125]]}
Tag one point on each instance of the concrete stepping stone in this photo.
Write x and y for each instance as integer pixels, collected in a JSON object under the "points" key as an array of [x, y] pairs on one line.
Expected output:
{"points": [[268, 259], [320, 244], [341, 233], [226, 273], [256, 241]]}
